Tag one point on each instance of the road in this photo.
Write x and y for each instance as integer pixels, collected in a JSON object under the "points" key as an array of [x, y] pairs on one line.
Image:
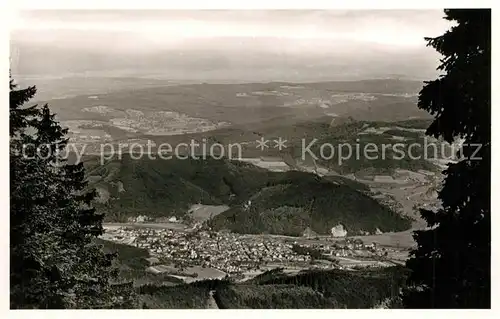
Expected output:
{"points": [[173, 226], [211, 304]]}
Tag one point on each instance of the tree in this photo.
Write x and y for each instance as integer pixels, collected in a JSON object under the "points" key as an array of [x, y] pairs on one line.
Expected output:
{"points": [[54, 262], [451, 265]]}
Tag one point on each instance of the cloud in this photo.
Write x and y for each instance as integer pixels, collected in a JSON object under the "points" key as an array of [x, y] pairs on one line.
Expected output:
{"points": [[304, 42], [391, 27]]}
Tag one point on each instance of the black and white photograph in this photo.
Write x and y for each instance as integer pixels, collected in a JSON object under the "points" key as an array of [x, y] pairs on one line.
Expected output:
{"points": [[249, 159]]}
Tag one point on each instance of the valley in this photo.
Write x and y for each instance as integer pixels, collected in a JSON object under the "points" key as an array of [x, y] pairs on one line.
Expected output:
{"points": [[270, 212], [160, 112], [250, 159]]}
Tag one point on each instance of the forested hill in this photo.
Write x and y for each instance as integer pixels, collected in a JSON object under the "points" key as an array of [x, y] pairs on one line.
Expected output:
{"points": [[282, 203]]}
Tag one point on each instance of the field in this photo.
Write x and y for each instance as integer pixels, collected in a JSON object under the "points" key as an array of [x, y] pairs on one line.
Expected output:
{"points": [[202, 213], [159, 107]]}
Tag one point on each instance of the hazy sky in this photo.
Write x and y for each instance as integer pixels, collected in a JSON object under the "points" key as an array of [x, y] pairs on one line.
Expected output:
{"points": [[334, 33], [394, 27]]}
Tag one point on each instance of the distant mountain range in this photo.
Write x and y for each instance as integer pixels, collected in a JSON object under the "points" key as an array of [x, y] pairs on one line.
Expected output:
{"points": [[218, 59], [380, 99]]}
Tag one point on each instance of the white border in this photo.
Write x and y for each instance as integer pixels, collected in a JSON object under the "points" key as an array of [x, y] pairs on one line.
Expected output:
{"points": [[254, 4], [7, 12]]}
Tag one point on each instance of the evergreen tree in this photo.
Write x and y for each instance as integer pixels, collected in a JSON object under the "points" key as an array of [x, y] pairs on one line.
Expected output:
{"points": [[451, 265], [54, 263]]}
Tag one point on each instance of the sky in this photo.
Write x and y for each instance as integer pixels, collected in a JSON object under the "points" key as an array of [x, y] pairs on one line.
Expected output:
{"points": [[392, 27], [297, 33]]}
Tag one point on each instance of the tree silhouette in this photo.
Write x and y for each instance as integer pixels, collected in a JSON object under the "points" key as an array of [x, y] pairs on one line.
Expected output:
{"points": [[451, 265], [54, 263]]}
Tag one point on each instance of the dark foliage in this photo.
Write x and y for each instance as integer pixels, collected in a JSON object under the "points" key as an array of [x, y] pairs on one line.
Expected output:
{"points": [[164, 187], [451, 266], [126, 255], [294, 201], [281, 202], [267, 275], [176, 297], [350, 289], [307, 251], [364, 288], [54, 263], [271, 297]]}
